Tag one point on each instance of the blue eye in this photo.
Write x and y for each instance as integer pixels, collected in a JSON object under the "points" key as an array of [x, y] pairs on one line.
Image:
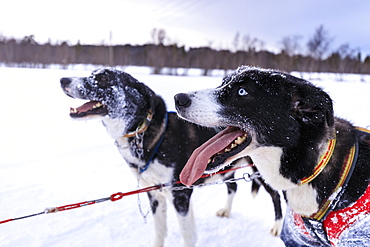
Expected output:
{"points": [[242, 92]]}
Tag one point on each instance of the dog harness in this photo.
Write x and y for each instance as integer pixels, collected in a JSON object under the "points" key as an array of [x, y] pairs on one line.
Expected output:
{"points": [[140, 130], [144, 168], [327, 225]]}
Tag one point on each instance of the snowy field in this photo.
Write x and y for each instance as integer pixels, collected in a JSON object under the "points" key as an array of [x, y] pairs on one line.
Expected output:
{"points": [[47, 160]]}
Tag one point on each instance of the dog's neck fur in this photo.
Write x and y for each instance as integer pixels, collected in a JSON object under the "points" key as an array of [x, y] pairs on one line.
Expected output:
{"points": [[304, 199], [127, 146], [328, 179]]}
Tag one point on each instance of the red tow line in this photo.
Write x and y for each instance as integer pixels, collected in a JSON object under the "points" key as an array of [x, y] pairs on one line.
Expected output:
{"points": [[114, 197]]}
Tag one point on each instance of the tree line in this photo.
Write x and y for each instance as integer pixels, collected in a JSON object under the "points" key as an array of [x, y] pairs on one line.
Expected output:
{"points": [[157, 54]]}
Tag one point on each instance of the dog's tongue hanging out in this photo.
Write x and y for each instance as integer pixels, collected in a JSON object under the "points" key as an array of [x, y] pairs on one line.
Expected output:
{"points": [[199, 159]]}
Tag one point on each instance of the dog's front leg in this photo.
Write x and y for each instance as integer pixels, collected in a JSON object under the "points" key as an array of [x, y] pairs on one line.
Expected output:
{"points": [[185, 216], [231, 190], [159, 209]]}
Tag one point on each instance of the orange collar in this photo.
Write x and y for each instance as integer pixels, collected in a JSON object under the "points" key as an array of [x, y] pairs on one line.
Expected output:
{"points": [[142, 127], [324, 160], [343, 177]]}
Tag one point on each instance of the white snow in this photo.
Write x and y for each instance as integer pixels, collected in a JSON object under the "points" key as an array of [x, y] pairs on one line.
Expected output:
{"points": [[47, 160]]}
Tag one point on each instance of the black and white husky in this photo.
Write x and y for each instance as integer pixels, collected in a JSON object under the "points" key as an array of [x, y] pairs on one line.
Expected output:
{"points": [[322, 163], [155, 143]]}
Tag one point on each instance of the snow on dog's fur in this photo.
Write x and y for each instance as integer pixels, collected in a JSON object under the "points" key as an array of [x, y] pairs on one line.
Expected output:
{"points": [[156, 144], [292, 125]]}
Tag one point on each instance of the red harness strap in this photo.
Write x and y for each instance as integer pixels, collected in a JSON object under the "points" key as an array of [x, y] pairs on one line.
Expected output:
{"points": [[338, 221]]}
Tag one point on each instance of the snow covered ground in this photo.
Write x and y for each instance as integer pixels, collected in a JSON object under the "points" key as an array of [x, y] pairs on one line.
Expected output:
{"points": [[47, 160]]}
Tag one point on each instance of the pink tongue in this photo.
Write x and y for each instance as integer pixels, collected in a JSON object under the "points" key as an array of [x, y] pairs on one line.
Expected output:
{"points": [[87, 106], [198, 161]]}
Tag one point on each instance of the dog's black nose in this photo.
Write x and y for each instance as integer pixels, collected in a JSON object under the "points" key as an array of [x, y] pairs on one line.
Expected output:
{"points": [[65, 81], [182, 100]]}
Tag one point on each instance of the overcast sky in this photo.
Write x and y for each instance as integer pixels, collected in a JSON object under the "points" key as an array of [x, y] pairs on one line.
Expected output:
{"points": [[187, 22]]}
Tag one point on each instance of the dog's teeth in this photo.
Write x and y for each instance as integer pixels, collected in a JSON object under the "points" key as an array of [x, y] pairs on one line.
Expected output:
{"points": [[239, 140], [227, 150], [97, 105], [73, 110], [233, 145]]}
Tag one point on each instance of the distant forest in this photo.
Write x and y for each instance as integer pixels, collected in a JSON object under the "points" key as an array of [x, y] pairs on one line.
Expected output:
{"points": [[160, 54]]}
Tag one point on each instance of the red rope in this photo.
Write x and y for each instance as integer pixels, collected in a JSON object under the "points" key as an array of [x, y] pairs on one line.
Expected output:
{"points": [[120, 195], [5, 221], [114, 197]]}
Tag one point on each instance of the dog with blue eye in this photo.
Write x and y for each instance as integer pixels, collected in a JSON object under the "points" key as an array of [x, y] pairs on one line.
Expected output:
{"points": [[319, 161]]}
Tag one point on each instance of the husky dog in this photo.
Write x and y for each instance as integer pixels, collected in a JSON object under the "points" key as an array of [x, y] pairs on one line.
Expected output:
{"points": [[322, 163]]}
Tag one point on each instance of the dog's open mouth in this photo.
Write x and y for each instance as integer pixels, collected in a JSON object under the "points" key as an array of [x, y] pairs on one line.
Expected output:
{"points": [[88, 109], [211, 155]]}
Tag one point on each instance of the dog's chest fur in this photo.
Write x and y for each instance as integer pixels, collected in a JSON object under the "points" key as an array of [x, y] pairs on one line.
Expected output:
{"points": [[156, 173], [125, 149], [302, 199]]}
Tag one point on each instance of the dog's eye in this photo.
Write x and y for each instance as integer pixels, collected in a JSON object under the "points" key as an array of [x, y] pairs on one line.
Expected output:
{"points": [[103, 83], [242, 92], [101, 80]]}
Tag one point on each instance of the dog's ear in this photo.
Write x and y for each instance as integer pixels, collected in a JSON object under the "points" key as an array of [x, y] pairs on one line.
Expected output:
{"points": [[148, 95], [313, 106], [142, 89], [151, 99]]}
